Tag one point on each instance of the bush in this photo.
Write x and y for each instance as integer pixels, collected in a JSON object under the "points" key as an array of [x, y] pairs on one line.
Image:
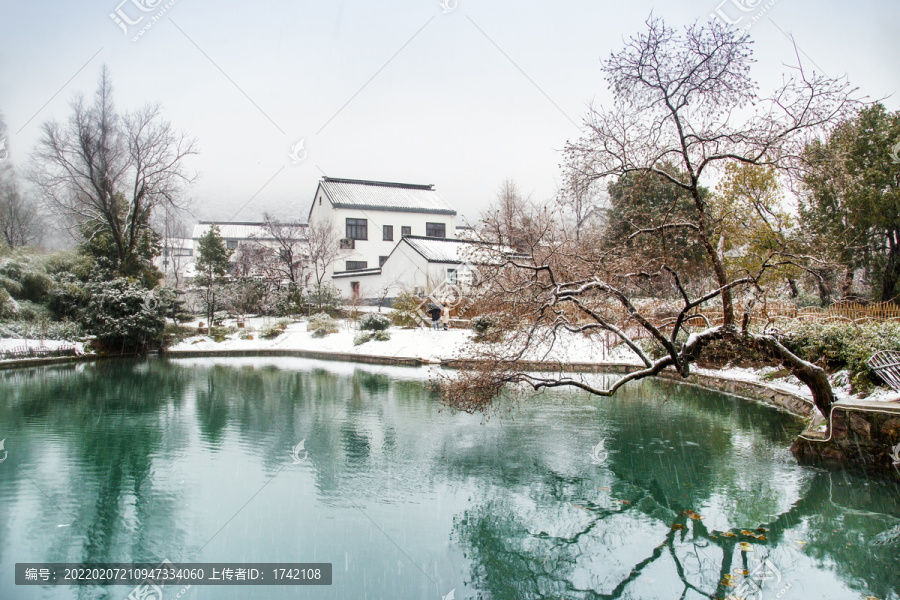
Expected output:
{"points": [[381, 336], [9, 308], [321, 325], [123, 316], [485, 328], [323, 297], [362, 338], [33, 312], [374, 322], [69, 331], [843, 345], [406, 307], [273, 331]]}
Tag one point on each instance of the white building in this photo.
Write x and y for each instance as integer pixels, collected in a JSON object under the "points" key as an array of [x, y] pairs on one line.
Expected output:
{"points": [[372, 218]]}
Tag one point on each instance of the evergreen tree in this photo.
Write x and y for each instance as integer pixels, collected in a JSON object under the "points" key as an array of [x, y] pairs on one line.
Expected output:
{"points": [[213, 262]]}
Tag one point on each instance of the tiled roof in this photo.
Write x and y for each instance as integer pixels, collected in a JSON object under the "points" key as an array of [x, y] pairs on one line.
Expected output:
{"points": [[380, 195], [439, 250], [233, 231]]}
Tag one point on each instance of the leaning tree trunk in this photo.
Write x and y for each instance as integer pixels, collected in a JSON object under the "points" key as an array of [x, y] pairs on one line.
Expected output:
{"points": [[813, 376]]}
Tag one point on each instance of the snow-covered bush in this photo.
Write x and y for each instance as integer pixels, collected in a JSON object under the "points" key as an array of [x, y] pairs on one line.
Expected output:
{"points": [[323, 297], [8, 307], [843, 345], [320, 324], [54, 330], [368, 336], [123, 316], [374, 322], [273, 331]]}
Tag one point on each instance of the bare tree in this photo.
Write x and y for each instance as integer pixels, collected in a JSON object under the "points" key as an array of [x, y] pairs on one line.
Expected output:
{"points": [[20, 223], [323, 247], [104, 173], [288, 259], [682, 99]]}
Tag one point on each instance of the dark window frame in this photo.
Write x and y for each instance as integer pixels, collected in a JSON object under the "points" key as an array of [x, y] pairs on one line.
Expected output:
{"points": [[405, 230], [387, 233], [356, 263], [358, 229], [430, 228]]}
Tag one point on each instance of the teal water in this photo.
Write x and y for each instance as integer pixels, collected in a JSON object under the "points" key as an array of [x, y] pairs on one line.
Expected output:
{"points": [[190, 460]]}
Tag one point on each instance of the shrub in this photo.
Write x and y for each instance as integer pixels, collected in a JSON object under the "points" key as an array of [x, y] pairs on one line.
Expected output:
{"points": [[123, 316], [9, 308], [843, 345], [406, 306], [362, 338], [485, 328], [381, 336], [67, 330], [321, 322], [323, 297], [33, 312], [374, 322], [273, 331]]}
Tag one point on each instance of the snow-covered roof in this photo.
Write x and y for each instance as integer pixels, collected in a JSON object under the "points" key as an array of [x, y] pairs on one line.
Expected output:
{"points": [[440, 250], [380, 195], [233, 230]]}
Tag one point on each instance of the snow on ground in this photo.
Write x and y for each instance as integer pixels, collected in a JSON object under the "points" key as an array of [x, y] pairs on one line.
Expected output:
{"points": [[404, 343], [433, 346]]}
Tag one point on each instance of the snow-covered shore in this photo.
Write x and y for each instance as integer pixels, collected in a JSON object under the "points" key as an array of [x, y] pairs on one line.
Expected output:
{"points": [[433, 346]]}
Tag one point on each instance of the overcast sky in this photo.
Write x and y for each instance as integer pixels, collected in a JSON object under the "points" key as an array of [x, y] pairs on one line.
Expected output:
{"points": [[462, 96]]}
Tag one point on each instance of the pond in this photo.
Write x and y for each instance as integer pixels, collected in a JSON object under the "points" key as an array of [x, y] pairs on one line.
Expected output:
{"points": [[199, 461]]}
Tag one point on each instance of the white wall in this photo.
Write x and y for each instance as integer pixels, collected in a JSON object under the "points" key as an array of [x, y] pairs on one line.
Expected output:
{"points": [[375, 246]]}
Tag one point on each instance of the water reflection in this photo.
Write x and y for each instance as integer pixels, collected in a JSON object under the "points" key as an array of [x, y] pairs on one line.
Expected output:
{"points": [[190, 460]]}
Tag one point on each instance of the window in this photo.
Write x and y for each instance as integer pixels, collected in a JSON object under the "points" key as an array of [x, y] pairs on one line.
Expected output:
{"points": [[356, 265], [231, 244], [357, 229], [435, 230], [451, 276], [388, 231], [382, 260], [354, 288], [405, 231]]}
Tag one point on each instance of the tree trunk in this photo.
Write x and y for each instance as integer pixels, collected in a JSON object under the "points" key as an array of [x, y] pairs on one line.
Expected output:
{"points": [[813, 376], [847, 284], [891, 272]]}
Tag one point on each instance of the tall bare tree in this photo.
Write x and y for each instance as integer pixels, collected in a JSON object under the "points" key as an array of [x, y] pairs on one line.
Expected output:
{"points": [[682, 99], [20, 223], [323, 247], [104, 173]]}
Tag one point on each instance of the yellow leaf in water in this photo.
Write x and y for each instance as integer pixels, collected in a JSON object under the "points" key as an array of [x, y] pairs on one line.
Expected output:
{"points": [[761, 538], [745, 547], [677, 526], [695, 517], [745, 532], [728, 534]]}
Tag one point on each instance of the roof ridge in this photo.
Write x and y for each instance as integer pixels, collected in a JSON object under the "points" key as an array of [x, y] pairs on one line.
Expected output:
{"points": [[413, 186]]}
